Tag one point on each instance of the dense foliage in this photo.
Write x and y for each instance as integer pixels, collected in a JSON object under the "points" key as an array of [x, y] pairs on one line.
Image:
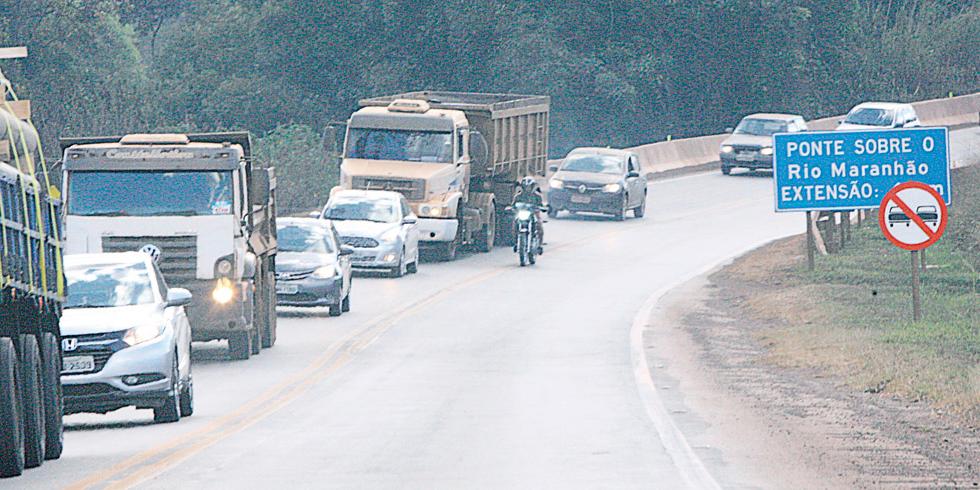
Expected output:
{"points": [[621, 72]]}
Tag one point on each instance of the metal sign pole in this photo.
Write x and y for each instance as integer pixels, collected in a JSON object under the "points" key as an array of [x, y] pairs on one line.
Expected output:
{"points": [[916, 299], [809, 241]]}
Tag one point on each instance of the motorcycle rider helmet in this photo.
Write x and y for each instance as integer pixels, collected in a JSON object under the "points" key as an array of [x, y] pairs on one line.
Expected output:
{"points": [[528, 184]]}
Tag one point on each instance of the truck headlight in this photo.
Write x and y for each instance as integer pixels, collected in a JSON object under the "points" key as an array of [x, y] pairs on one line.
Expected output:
{"points": [[766, 151], [612, 188], [325, 272], [142, 333], [436, 211], [727, 149], [223, 267], [556, 183], [223, 292]]}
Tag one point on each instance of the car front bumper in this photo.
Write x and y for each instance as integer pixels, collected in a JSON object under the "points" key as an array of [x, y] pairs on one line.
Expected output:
{"points": [[310, 291], [753, 161], [384, 256], [598, 202]]}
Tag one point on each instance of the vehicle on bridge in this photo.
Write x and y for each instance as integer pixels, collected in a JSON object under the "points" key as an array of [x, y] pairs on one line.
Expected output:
{"points": [[381, 228], [750, 145], [456, 157], [598, 180], [31, 293], [880, 115], [314, 267], [202, 203], [126, 338]]}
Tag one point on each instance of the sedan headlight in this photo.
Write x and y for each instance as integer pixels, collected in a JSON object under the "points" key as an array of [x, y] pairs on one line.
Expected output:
{"points": [[556, 184], [142, 333], [325, 272], [766, 151], [612, 188], [727, 149]]}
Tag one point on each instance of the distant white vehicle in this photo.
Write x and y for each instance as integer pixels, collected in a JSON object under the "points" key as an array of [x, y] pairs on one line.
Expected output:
{"points": [[380, 226], [880, 115]]}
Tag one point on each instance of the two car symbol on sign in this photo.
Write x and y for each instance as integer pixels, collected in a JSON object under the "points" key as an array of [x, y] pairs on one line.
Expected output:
{"points": [[928, 214]]}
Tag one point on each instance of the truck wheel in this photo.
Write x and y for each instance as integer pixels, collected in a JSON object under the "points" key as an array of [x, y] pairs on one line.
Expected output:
{"points": [[53, 402], [256, 343], [269, 339], [170, 411], [240, 345], [30, 395], [11, 430], [484, 243]]}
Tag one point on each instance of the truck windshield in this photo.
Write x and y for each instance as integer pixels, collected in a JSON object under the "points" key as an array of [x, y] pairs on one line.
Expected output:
{"points": [[108, 285], [150, 193], [761, 127], [392, 144]]}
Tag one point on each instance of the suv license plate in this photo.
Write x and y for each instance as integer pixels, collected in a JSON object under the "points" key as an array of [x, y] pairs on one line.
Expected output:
{"points": [[78, 364], [581, 199], [745, 157], [287, 288]]}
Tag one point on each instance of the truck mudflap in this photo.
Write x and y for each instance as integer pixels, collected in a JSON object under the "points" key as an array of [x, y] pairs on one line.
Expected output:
{"points": [[213, 321]]}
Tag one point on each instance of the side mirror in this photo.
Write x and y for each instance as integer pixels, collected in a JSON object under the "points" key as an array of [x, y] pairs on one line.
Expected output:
{"points": [[345, 250], [260, 186], [729, 130], [633, 174], [552, 168], [410, 220], [178, 297]]}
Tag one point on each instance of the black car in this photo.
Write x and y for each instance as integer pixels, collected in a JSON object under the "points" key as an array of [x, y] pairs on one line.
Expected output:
{"points": [[598, 180], [312, 267]]}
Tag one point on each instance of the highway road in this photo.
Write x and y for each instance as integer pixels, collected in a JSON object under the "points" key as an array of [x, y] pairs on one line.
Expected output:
{"points": [[475, 374]]}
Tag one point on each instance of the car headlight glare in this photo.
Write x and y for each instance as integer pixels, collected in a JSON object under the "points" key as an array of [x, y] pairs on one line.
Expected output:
{"points": [[141, 334], [727, 149], [223, 292], [556, 184], [325, 272], [766, 151], [612, 188]]}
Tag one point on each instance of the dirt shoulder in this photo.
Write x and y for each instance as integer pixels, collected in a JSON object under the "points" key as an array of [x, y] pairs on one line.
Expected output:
{"points": [[795, 398]]}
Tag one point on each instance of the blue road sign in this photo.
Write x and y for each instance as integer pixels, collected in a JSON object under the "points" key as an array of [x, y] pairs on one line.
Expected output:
{"points": [[833, 170]]}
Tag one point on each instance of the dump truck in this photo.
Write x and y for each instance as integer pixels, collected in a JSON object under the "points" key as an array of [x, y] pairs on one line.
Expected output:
{"points": [[456, 157], [33, 287], [201, 205]]}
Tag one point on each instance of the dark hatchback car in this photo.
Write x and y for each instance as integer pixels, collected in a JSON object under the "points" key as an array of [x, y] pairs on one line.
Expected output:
{"points": [[312, 268], [598, 180]]}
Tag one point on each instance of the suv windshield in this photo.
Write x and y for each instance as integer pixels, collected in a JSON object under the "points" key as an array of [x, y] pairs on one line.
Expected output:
{"points": [[761, 127], [602, 164], [150, 193], [108, 285], [870, 117], [391, 144], [309, 239], [361, 210]]}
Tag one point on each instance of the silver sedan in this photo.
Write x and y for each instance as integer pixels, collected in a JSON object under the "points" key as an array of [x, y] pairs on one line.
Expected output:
{"points": [[380, 227]]}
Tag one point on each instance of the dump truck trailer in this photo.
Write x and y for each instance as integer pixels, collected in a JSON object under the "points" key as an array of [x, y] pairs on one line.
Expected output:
{"points": [[457, 157]]}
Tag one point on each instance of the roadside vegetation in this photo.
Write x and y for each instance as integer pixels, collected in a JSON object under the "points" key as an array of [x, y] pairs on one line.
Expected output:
{"points": [[852, 316]]}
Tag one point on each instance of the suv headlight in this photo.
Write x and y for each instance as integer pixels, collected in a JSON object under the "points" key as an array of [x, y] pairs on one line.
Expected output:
{"points": [[727, 149], [325, 272], [556, 183], [766, 151], [612, 188], [141, 334]]}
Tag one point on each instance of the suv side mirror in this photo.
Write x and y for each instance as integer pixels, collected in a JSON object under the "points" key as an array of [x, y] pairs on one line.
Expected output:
{"points": [[729, 130], [633, 174], [178, 297], [346, 250]]}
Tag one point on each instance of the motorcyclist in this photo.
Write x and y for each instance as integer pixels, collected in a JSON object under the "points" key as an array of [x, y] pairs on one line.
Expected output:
{"points": [[529, 192]]}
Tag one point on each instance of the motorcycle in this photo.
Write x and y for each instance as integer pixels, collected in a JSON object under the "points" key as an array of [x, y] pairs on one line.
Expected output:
{"points": [[527, 242]]}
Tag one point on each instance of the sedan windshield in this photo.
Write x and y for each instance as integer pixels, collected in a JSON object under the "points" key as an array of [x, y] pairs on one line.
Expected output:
{"points": [[305, 239], [149, 193], [761, 127], [391, 144], [870, 117], [362, 210], [601, 164], [108, 285]]}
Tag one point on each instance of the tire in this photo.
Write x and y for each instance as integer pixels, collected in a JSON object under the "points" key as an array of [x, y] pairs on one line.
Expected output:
{"points": [[485, 242], [725, 170], [240, 346], [398, 270], [170, 411], [412, 268], [33, 406], [522, 247], [447, 250], [187, 398], [336, 309], [53, 402], [11, 428], [345, 304], [269, 338], [620, 215], [642, 209]]}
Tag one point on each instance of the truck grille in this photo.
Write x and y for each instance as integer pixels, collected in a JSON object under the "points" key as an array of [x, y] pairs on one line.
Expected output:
{"points": [[178, 254], [359, 242], [413, 190]]}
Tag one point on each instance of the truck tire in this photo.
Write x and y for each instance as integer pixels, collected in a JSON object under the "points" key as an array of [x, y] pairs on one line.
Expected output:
{"points": [[256, 334], [33, 406], [53, 402], [11, 429], [240, 345], [169, 412], [269, 339], [484, 242], [447, 250]]}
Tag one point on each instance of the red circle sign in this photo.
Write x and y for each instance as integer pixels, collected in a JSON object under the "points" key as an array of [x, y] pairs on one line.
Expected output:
{"points": [[913, 216]]}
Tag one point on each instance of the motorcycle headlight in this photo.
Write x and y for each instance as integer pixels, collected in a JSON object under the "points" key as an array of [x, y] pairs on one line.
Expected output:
{"points": [[325, 272], [141, 334], [223, 292], [556, 184], [612, 188], [766, 151], [727, 149], [524, 214]]}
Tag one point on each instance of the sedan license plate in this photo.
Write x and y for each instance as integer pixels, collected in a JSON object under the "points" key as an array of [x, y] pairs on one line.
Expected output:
{"points": [[287, 288], [581, 199], [78, 364], [745, 157]]}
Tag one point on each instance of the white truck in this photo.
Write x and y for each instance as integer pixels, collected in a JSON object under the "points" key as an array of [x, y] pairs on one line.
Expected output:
{"points": [[199, 202]]}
